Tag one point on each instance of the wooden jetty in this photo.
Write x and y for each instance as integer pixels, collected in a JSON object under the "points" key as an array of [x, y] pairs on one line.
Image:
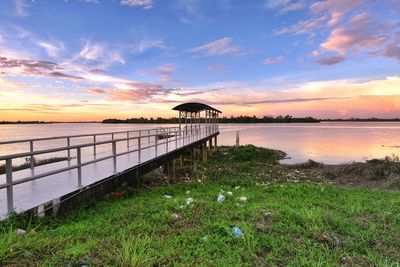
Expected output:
{"points": [[105, 164]]}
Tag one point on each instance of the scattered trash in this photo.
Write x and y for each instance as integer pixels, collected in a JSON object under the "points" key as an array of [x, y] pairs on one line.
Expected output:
{"points": [[237, 187], [118, 194], [188, 192], [242, 198], [221, 198], [229, 193], [268, 213], [83, 263], [204, 238], [198, 180], [21, 232], [167, 196], [189, 201], [182, 206], [27, 253], [175, 216], [237, 232]]}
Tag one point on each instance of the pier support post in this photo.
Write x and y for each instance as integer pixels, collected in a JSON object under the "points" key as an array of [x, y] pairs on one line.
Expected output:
{"points": [[215, 143], [171, 170], [192, 161], [204, 149]]}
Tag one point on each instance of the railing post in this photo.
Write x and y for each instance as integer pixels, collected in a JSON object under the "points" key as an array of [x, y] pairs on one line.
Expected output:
{"points": [[32, 159], [156, 141], [94, 147], [127, 141], [139, 148], [112, 136], [69, 150], [176, 138], [79, 163], [148, 134], [166, 140], [9, 180], [114, 151]]}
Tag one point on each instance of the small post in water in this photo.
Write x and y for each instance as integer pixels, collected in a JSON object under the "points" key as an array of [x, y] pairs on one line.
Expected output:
{"points": [[237, 138]]}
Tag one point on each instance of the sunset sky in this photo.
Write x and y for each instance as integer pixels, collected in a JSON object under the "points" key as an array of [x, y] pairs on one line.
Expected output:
{"points": [[85, 60]]}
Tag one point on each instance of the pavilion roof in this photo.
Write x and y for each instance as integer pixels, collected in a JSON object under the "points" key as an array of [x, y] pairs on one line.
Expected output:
{"points": [[194, 107]]}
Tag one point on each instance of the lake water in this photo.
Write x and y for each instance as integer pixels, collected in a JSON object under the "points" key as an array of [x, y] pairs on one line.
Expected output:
{"points": [[326, 142]]}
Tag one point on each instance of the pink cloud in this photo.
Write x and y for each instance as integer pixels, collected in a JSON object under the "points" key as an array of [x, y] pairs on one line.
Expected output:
{"points": [[361, 33], [336, 8], [97, 91], [309, 26], [273, 60], [331, 60]]}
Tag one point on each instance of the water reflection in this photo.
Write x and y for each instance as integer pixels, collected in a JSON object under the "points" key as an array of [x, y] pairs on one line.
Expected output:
{"points": [[326, 142]]}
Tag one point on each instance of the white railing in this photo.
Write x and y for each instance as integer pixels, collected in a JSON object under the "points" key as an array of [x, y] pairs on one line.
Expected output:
{"points": [[153, 137]]}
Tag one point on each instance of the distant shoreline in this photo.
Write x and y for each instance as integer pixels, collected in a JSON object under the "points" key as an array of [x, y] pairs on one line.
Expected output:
{"points": [[221, 120]]}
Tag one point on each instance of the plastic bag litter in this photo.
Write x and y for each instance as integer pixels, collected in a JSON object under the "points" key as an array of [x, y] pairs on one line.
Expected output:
{"points": [[175, 216], [188, 192], [237, 187], [21, 232], [221, 198], [237, 232], [189, 201], [167, 196], [229, 193], [242, 198]]}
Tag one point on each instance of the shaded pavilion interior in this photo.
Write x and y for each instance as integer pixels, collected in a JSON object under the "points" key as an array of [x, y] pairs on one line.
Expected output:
{"points": [[190, 115]]}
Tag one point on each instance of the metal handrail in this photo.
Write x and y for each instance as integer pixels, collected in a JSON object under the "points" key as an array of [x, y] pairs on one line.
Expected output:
{"points": [[73, 136]]}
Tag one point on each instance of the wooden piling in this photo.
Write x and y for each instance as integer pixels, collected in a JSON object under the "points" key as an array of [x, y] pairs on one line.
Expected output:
{"points": [[237, 138]]}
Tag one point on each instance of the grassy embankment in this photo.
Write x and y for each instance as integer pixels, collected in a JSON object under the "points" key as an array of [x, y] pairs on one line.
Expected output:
{"points": [[289, 218]]}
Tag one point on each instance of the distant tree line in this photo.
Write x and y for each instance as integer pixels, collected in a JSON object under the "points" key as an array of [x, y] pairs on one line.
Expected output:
{"points": [[266, 119], [232, 119], [23, 122], [364, 120], [143, 120]]}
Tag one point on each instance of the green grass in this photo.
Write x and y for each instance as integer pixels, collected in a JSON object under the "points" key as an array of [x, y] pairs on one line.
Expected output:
{"points": [[295, 224]]}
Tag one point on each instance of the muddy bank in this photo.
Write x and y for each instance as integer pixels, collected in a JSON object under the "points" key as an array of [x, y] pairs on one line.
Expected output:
{"points": [[376, 173]]}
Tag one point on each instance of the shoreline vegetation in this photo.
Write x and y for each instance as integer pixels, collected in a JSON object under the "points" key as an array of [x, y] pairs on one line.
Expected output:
{"points": [[252, 119], [239, 119], [298, 215]]}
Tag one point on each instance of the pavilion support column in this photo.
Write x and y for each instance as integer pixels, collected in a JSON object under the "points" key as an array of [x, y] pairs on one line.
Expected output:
{"points": [[210, 146], [181, 160], [215, 143]]}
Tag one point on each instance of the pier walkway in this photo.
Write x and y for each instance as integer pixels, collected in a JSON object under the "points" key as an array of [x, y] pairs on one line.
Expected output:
{"points": [[85, 163]]}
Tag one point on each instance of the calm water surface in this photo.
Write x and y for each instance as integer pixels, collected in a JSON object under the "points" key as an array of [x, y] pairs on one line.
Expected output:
{"points": [[326, 142]]}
